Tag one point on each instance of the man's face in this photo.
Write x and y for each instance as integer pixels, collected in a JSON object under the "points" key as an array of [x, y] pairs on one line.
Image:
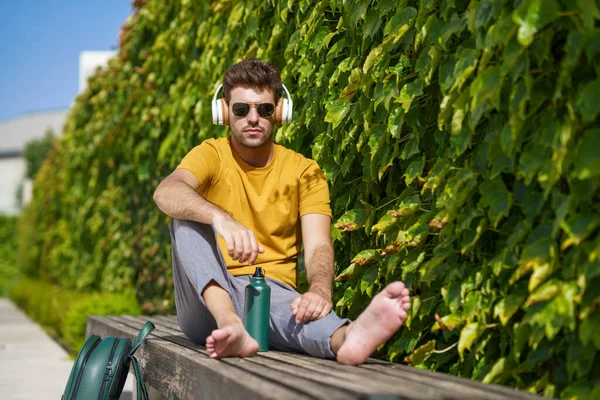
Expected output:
{"points": [[251, 131]]}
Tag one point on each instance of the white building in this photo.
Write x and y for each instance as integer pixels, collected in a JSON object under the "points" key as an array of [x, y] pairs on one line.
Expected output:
{"points": [[17, 131], [14, 134]]}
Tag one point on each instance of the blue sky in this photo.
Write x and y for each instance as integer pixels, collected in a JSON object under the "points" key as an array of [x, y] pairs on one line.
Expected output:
{"points": [[40, 42]]}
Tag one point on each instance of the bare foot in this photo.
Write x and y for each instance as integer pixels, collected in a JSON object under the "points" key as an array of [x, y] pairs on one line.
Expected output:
{"points": [[382, 318], [231, 340]]}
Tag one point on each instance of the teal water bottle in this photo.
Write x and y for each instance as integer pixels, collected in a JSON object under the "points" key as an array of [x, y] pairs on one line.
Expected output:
{"points": [[257, 309]]}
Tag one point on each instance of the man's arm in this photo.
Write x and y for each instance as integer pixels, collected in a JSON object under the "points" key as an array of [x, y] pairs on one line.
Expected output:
{"points": [[176, 196], [319, 263]]}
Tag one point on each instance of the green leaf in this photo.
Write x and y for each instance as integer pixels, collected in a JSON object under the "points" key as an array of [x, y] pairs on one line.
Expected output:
{"points": [[408, 206], [587, 163], [486, 87], [532, 15], [355, 11], [352, 219], [469, 335], [384, 223], [453, 27], [588, 101], [400, 21], [589, 330], [421, 353], [410, 148], [322, 39], [498, 368], [372, 23], [376, 54], [408, 93], [508, 306], [366, 257], [589, 12], [369, 278], [578, 228], [464, 67], [495, 196], [545, 292], [414, 170], [336, 111]]}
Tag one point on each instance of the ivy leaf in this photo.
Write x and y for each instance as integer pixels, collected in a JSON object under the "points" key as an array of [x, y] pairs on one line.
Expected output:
{"points": [[486, 87], [336, 111], [372, 23], [322, 39], [368, 279], [508, 306], [531, 16], [366, 257], [408, 206], [400, 21], [498, 368], [414, 170], [464, 67], [384, 223], [354, 83], [351, 220], [578, 228], [495, 196], [420, 354], [468, 335], [588, 101], [546, 292], [589, 12], [408, 93], [589, 330], [453, 27]]}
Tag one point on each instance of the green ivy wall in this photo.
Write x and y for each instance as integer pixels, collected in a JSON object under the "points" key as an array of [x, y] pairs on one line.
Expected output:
{"points": [[460, 139]]}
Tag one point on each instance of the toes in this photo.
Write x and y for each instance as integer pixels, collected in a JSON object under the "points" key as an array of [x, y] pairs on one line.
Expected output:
{"points": [[395, 289]]}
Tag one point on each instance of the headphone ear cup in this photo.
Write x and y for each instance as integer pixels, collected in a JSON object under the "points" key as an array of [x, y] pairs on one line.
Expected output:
{"points": [[288, 111], [224, 112], [279, 111], [215, 112]]}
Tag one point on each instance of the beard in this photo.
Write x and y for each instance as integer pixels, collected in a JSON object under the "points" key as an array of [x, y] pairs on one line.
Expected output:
{"points": [[255, 141]]}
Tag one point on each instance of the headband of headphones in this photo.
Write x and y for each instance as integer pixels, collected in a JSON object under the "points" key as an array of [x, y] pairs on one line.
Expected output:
{"points": [[283, 110]]}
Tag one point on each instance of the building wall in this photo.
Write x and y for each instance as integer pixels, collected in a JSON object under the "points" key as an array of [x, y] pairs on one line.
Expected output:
{"points": [[12, 171]]}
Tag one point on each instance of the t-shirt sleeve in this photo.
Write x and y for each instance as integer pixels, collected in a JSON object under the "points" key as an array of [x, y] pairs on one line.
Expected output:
{"points": [[203, 161], [314, 193]]}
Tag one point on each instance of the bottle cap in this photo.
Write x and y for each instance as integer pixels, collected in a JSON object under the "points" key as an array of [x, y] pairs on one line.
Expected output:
{"points": [[259, 273]]}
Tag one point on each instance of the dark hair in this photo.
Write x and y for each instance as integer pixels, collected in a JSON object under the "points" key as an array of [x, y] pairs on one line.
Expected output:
{"points": [[253, 73]]}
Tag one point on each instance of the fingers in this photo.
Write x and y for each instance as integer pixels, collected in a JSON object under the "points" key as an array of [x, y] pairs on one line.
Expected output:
{"points": [[242, 244], [311, 307], [295, 304]]}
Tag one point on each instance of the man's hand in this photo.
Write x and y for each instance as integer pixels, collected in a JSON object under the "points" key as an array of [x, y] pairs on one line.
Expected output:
{"points": [[312, 305], [241, 241]]}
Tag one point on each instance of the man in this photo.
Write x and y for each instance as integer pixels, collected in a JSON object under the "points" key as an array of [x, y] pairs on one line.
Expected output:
{"points": [[264, 202]]}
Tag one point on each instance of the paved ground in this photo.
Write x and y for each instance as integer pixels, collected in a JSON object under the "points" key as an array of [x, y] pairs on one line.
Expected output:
{"points": [[32, 365]]}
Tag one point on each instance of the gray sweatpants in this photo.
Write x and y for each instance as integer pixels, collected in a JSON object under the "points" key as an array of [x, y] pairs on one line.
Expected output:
{"points": [[197, 260]]}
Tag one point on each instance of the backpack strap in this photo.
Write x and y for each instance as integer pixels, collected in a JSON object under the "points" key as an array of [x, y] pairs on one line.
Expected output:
{"points": [[144, 332], [142, 393]]}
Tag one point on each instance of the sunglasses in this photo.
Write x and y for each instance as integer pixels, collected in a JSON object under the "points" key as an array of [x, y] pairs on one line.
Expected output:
{"points": [[242, 109]]}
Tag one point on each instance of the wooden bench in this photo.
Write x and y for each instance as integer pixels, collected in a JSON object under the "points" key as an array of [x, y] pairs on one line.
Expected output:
{"points": [[179, 369]]}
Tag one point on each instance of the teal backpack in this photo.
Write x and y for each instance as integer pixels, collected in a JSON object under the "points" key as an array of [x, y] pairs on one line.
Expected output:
{"points": [[101, 368]]}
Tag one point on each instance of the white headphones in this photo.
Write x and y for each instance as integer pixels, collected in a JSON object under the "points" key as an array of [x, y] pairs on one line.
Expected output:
{"points": [[283, 110]]}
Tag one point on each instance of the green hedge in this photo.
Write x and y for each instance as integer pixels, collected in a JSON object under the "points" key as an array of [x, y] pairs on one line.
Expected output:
{"points": [[63, 313], [9, 272], [459, 138]]}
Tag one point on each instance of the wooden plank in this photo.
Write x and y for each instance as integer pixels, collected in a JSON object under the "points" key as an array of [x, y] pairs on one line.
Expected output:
{"points": [[348, 379], [191, 374], [453, 386], [297, 384], [475, 389]]}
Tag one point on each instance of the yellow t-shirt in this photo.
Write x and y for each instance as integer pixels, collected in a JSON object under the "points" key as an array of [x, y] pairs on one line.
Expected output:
{"points": [[268, 200]]}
